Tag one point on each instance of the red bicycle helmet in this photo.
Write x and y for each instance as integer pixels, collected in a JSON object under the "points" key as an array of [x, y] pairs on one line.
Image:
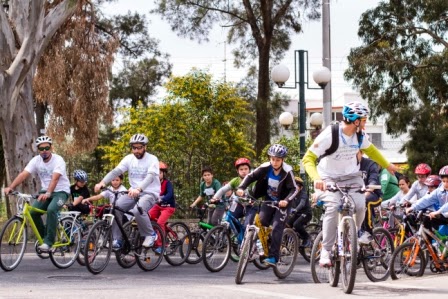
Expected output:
{"points": [[443, 171], [423, 168], [433, 181], [242, 161], [163, 166]]}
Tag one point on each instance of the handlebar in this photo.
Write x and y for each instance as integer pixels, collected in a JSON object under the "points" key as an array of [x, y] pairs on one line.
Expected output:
{"points": [[334, 187]]}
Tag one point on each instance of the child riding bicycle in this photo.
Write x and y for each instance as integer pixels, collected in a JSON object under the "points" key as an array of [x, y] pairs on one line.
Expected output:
{"points": [[275, 182]]}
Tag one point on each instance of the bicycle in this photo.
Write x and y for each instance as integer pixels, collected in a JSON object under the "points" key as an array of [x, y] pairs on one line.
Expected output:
{"points": [[222, 242], [198, 236], [178, 243], [249, 252], [98, 247], [344, 255], [14, 236], [409, 258]]}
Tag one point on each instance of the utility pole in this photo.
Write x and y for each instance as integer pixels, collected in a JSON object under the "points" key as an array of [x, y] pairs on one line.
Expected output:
{"points": [[326, 61]]}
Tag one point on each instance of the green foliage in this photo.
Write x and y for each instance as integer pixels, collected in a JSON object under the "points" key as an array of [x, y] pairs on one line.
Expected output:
{"points": [[200, 122], [401, 70]]}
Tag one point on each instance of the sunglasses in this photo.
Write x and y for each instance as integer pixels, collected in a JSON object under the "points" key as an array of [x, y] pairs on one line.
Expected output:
{"points": [[137, 147], [46, 148]]}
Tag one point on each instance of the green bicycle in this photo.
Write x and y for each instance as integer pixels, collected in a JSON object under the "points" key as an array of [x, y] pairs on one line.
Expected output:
{"points": [[14, 236]]}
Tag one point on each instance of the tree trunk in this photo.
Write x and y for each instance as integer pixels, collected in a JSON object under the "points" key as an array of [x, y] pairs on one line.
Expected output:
{"points": [[263, 113]]}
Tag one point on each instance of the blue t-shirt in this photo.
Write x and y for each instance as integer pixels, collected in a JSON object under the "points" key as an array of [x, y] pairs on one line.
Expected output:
{"points": [[273, 182]]}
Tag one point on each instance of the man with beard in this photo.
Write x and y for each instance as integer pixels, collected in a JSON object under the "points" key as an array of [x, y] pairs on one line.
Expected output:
{"points": [[143, 172], [55, 190]]}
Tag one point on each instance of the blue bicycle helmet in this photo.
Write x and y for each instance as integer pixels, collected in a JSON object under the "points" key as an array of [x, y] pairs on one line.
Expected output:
{"points": [[354, 110], [80, 175], [277, 150]]}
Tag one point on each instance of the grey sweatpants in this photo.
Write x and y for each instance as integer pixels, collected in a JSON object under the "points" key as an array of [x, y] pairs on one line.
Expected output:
{"points": [[332, 201]]}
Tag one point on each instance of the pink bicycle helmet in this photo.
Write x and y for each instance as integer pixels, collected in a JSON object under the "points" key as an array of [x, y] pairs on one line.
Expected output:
{"points": [[423, 168]]}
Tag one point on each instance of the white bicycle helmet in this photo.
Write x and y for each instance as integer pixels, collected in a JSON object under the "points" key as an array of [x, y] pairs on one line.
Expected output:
{"points": [[43, 139], [354, 110], [138, 138], [80, 175]]}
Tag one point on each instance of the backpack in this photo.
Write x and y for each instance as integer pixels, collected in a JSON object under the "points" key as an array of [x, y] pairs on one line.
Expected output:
{"points": [[335, 140]]}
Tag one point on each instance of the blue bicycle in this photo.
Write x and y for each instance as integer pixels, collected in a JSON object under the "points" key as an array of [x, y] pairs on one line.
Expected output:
{"points": [[222, 243]]}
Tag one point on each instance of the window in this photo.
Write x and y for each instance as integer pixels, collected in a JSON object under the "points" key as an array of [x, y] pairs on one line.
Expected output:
{"points": [[375, 138], [337, 116]]}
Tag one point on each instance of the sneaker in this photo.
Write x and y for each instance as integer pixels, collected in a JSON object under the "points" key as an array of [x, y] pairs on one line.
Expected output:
{"points": [[116, 244], [306, 243], [149, 240], [365, 238], [324, 258], [44, 248], [271, 261], [158, 250]]}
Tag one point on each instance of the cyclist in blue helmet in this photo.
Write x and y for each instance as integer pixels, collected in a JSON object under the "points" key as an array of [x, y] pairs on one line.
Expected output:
{"points": [[275, 182], [341, 166]]}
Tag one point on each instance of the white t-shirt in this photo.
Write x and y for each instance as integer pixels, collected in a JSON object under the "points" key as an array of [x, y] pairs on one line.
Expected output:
{"points": [[138, 169], [45, 171], [343, 161], [111, 196]]}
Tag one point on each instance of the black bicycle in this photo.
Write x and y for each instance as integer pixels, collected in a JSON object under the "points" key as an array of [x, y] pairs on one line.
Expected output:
{"points": [[98, 248]]}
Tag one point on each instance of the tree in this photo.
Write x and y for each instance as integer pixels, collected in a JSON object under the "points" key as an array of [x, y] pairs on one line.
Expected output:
{"points": [[400, 69], [200, 122], [25, 32], [262, 28]]}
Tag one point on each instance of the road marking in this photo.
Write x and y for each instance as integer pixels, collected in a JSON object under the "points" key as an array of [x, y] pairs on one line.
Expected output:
{"points": [[260, 292]]}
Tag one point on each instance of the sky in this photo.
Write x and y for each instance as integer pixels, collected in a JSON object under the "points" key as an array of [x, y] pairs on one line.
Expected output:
{"points": [[217, 58]]}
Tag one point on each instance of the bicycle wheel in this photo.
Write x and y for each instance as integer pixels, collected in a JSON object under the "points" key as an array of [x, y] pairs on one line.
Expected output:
{"points": [[318, 273], [376, 256], [85, 228], [406, 261], [349, 254], [98, 247], [288, 254], [246, 249], [178, 243], [147, 258], [306, 251], [216, 249], [313, 228], [125, 255], [195, 255], [234, 247], [13, 243], [66, 248]]}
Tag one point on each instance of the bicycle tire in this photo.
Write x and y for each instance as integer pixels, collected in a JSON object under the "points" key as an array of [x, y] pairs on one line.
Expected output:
{"points": [[98, 247], [195, 255], [349, 254], [178, 243], [216, 249], [234, 247], [11, 253], [405, 262], [288, 254], [376, 256], [244, 256], [147, 258], [319, 274], [125, 256], [85, 228], [306, 251], [313, 227], [67, 232]]}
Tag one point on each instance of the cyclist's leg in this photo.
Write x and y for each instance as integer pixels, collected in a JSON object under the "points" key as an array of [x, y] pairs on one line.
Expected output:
{"points": [[217, 215], [299, 226], [372, 201], [278, 225], [330, 223], [37, 217], [126, 203], [360, 201], [266, 216], [146, 202], [164, 216], [251, 211], [56, 203]]}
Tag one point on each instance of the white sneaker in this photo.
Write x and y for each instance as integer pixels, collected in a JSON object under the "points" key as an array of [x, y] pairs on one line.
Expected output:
{"points": [[324, 258], [365, 238], [44, 248], [149, 240]]}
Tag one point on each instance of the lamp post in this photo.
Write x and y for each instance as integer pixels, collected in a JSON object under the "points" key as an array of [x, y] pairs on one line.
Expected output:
{"points": [[280, 74]]}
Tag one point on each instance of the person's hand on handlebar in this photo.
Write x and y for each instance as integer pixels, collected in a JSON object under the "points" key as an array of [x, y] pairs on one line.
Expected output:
{"points": [[7, 190], [239, 192], [320, 185], [282, 203], [134, 192]]}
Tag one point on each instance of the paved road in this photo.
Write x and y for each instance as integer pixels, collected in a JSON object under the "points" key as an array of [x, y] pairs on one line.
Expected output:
{"points": [[36, 278]]}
